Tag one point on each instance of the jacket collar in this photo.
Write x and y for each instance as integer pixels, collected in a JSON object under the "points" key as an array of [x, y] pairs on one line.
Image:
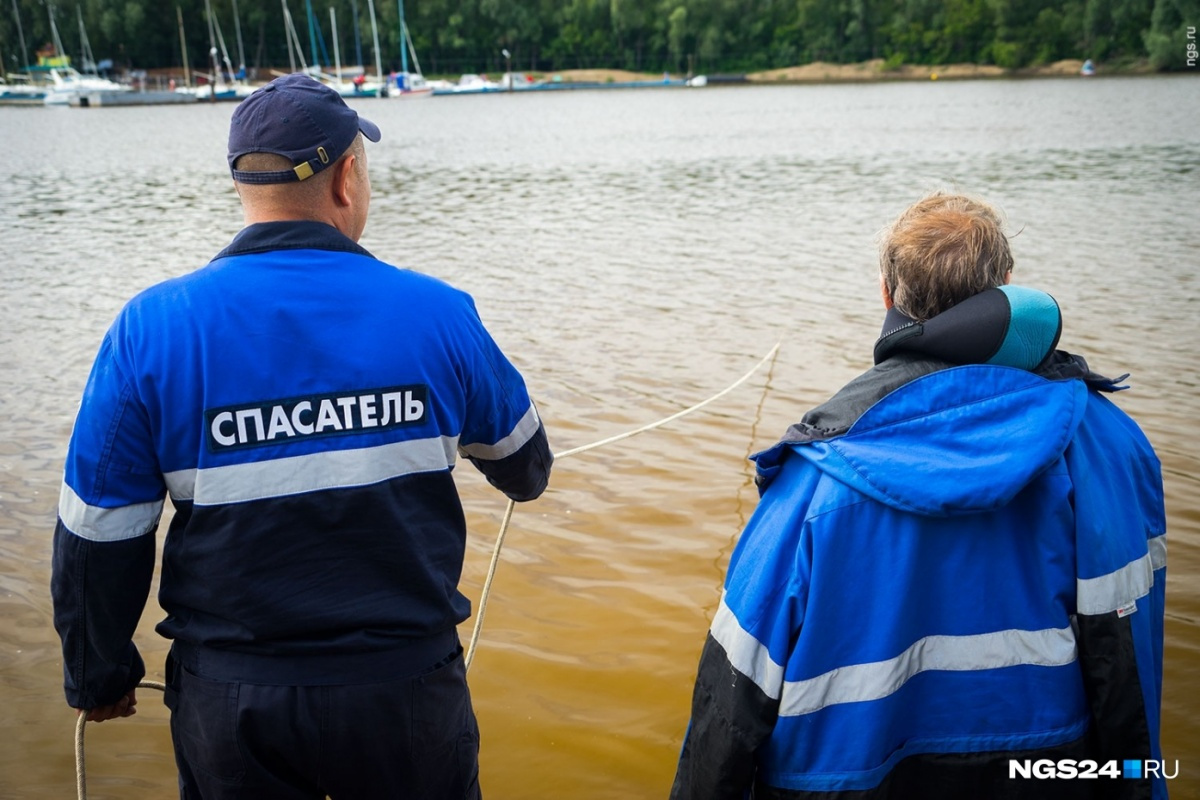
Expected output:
{"points": [[263, 237], [1012, 326]]}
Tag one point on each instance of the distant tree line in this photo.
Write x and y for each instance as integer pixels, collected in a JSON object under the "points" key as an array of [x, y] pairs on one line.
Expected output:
{"points": [[701, 36]]}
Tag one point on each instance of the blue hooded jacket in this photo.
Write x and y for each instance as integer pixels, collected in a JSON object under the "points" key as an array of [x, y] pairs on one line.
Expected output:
{"points": [[951, 566]]}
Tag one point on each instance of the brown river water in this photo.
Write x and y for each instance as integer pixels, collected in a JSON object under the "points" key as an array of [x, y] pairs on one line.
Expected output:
{"points": [[634, 252]]}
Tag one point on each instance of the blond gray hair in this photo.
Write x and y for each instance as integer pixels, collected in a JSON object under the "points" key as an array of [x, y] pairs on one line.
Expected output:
{"points": [[943, 249]]}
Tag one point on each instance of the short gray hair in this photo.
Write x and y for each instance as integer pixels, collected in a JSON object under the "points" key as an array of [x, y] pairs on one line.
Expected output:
{"points": [[303, 194]]}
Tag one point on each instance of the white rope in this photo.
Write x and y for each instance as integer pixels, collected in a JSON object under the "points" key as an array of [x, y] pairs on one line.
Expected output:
{"points": [[677, 414], [491, 573], [80, 771], [487, 584]]}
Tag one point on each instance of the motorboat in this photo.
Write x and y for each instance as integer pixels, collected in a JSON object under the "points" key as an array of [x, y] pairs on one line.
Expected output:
{"points": [[68, 84], [18, 91]]}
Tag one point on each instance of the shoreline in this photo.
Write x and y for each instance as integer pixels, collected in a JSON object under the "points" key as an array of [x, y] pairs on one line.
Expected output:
{"points": [[876, 70], [817, 72], [873, 71]]}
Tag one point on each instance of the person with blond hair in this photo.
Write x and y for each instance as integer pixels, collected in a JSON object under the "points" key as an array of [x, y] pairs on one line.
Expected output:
{"points": [[303, 404], [955, 575]]}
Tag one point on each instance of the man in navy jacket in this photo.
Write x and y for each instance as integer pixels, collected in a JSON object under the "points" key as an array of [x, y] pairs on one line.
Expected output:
{"points": [[956, 571], [303, 404]]}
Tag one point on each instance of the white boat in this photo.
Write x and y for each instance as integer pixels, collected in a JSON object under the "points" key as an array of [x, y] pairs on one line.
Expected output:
{"points": [[236, 92], [20, 89], [473, 84], [66, 82], [17, 92], [69, 84], [411, 86], [126, 96], [408, 85]]}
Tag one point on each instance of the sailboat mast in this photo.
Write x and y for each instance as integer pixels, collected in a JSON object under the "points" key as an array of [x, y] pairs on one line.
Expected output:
{"points": [[357, 36], [83, 63], [187, 72], [412, 50], [312, 32], [375, 37], [287, 32], [237, 27], [59, 53], [293, 40], [337, 55], [55, 39], [212, 51], [21, 35], [224, 50], [85, 47], [403, 40]]}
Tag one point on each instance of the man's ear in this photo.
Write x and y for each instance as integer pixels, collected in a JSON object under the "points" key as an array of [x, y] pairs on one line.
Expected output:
{"points": [[343, 176], [887, 296]]}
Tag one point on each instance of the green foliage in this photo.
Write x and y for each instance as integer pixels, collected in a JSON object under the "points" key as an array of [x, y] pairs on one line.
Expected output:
{"points": [[711, 36], [677, 32], [1167, 38], [1006, 54]]}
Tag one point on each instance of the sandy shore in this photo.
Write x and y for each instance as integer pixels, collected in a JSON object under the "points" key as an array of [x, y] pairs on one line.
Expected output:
{"points": [[602, 76], [874, 70], [821, 72]]}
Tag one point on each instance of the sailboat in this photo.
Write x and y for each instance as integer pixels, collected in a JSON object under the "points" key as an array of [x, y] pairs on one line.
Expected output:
{"points": [[69, 86], [409, 85], [218, 87], [66, 86], [20, 89], [358, 85]]}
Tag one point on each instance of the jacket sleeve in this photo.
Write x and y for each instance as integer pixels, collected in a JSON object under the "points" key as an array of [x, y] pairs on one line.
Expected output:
{"points": [[731, 717], [735, 702], [1120, 525], [103, 559], [519, 464], [503, 436]]}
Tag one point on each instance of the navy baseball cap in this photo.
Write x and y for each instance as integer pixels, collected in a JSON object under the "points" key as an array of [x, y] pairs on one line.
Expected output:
{"points": [[298, 118]]}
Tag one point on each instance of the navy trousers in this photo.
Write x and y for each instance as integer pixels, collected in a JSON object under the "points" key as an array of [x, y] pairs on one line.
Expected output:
{"points": [[413, 738]]}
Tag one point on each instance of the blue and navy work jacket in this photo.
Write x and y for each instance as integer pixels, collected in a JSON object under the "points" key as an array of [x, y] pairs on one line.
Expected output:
{"points": [[303, 405]]}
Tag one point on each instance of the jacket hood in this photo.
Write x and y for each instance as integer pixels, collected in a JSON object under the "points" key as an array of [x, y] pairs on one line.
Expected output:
{"points": [[958, 441]]}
